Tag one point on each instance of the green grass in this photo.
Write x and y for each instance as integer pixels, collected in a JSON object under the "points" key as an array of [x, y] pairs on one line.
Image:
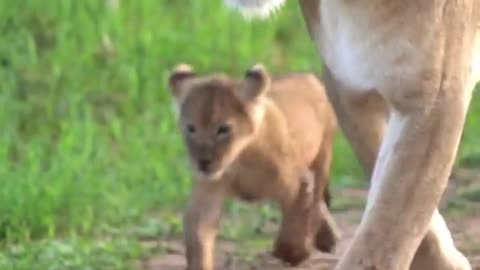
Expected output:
{"points": [[72, 254], [89, 148]]}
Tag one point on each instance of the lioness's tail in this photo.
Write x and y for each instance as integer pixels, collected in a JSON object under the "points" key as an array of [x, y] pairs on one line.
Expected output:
{"points": [[255, 8]]}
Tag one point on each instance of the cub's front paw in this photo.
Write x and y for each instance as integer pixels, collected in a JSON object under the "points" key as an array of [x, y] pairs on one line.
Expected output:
{"points": [[291, 253], [326, 239]]}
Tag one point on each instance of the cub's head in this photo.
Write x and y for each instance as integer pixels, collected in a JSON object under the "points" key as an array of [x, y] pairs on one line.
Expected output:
{"points": [[218, 115]]}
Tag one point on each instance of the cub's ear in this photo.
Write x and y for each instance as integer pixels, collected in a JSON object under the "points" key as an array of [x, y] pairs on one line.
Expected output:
{"points": [[180, 74], [256, 83]]}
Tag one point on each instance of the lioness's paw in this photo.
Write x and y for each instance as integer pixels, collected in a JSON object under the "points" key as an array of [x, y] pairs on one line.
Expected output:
{"points": [[460, 262], [452, 260]]}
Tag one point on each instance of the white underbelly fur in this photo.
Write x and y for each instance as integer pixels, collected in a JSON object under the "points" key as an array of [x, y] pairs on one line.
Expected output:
{"points": [[476, 59], [360, 58]]}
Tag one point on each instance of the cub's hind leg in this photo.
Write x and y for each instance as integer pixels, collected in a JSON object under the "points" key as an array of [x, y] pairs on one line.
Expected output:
{"points": [[295, 239], [327, 233]]}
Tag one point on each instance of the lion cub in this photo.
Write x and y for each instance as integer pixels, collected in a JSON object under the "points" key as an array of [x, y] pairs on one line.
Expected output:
{"points": [[257, 138]]}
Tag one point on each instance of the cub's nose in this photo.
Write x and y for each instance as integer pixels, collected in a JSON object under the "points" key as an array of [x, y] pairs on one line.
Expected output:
{"points": [[204, 165]]}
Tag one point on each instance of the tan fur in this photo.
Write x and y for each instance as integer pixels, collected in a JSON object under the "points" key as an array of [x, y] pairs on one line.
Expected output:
{"points": [[278, 147], [414, 64]]}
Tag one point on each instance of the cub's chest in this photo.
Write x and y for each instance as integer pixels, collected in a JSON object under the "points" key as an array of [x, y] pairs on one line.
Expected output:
{"points": [[255, 178]]}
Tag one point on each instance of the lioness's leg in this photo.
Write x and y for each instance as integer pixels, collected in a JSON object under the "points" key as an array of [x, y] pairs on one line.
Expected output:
{"points": [[328, 232], [201, 221], [351, 118], [362, 118], [299, 223], [411, 173], [437, 250]]}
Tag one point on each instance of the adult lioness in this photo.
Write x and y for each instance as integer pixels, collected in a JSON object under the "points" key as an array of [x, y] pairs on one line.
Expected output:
{"points": [[412, 64], [257, 138]]}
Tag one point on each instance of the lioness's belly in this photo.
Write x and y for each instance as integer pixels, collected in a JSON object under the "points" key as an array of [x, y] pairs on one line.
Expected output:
{"points": [[363, 53]]}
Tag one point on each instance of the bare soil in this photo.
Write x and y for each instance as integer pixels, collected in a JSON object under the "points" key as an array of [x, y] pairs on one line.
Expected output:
{"points": [[462, 215]]}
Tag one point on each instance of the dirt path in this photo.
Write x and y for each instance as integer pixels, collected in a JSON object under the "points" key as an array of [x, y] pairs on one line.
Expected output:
{"points": [[463, 222]]}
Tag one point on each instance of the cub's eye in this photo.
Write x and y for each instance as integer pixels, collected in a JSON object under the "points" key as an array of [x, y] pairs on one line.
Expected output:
{"points": [[191, 129], [223, 130]]}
